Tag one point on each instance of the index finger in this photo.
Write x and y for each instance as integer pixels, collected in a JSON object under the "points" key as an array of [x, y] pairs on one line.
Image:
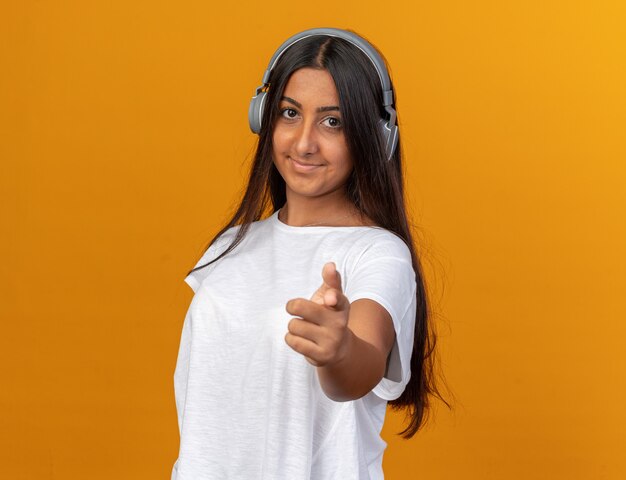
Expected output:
{"points": [[306, 309]]}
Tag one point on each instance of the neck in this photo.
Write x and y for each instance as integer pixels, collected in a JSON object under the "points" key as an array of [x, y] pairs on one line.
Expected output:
{"points": [[347, 215]]}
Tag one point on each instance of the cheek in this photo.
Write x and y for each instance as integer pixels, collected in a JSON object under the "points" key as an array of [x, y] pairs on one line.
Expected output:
{"points": [[279, 140], [342, 158]]}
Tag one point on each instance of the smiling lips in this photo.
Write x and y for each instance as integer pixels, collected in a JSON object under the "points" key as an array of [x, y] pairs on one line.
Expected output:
{"points": [[302, 167]]}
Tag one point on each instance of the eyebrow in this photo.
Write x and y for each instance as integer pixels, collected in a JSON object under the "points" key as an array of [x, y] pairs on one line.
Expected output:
{"points": [[330, 108]]}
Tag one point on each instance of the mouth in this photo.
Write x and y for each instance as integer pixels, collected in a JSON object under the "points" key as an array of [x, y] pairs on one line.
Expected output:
{"points": [[303, 167]]}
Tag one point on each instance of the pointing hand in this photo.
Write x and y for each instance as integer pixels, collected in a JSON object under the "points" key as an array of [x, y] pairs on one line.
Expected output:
{"points": [[321, 333]]}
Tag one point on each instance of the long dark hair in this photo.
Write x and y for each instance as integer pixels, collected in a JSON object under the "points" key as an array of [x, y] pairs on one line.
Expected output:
{"points": [[375, 187]]}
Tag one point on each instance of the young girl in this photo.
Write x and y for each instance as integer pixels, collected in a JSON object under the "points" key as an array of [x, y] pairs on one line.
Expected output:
{"points": [[305, 323]]}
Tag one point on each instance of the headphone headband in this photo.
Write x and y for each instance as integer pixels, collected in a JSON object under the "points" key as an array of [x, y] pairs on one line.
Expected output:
{"points": [[369, 51]]}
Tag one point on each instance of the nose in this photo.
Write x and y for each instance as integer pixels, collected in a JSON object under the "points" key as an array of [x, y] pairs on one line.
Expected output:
{"points": [[306, 141]]}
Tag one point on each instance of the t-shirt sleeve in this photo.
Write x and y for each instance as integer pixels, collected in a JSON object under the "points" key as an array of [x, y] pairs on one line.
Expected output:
{"points": [[384, 273], [195, 279]]}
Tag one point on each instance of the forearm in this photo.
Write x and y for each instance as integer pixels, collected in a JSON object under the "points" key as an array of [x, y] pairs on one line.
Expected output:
{"points": [[356, 374]]}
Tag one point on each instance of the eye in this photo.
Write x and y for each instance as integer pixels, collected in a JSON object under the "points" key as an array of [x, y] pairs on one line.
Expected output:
{"points": [[288, 112], [333, 122]]}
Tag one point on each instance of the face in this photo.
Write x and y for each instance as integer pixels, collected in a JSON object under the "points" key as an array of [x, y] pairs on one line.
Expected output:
{"points": [[309, 145]]}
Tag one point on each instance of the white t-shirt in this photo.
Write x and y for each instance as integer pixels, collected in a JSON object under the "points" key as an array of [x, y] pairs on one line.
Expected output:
{"points": [[249, 406]]}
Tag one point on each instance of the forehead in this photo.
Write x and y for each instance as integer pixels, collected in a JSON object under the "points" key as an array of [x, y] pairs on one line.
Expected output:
{"points": [[313, 86]]}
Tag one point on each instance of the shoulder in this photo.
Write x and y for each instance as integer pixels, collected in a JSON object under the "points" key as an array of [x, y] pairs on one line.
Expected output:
{"points": [[253, 233], [218, 246], [379, 260], [379, 242]]}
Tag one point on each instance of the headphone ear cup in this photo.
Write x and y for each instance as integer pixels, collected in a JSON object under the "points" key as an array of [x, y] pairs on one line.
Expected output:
{"points": [[390, 137], [255, 112]]}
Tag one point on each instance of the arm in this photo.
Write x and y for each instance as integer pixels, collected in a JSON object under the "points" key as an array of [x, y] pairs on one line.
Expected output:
{"points": [[370, 336], [348, 343]]}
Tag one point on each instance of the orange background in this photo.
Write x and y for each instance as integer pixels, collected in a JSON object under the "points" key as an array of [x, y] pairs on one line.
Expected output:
{"points": [[124, 142]]}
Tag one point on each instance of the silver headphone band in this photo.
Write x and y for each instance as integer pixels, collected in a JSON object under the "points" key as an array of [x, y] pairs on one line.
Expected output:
{"points": [[357, 41]]}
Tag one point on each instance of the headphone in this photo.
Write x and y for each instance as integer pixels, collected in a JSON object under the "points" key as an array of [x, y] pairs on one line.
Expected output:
{"points": [[388, 128]]}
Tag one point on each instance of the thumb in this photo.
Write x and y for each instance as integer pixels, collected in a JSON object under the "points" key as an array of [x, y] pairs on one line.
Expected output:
{"points": [[333, 296], [331, 276]]}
